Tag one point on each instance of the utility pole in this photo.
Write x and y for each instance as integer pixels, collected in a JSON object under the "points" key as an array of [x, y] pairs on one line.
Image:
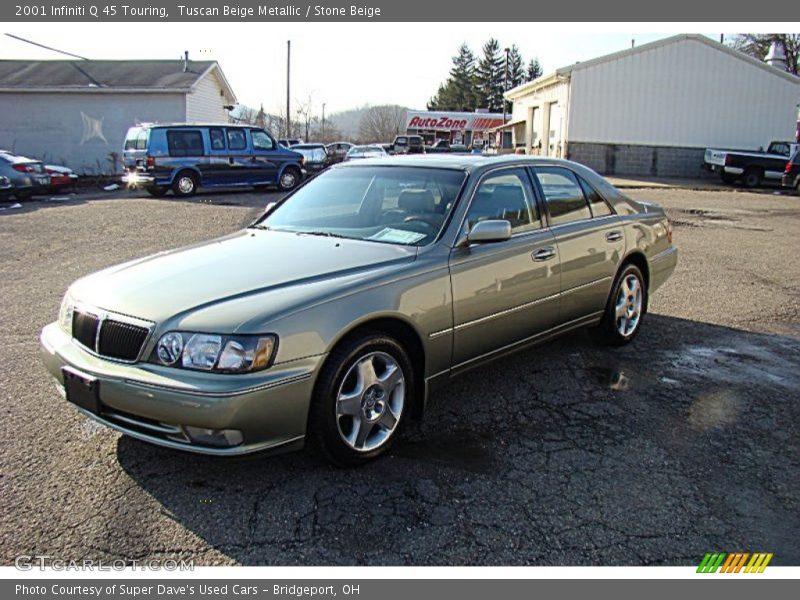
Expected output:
{"points": [[323, 121], [505, 89], [288, 73]]}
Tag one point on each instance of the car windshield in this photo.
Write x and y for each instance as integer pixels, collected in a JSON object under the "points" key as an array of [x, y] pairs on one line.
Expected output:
{"points": [[366, 151], [312, 154], [391, 205]]}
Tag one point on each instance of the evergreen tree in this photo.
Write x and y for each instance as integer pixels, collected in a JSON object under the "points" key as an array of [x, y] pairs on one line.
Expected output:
{"points": [[458, 92], [534, 70], [516, 71], [489, 77]]}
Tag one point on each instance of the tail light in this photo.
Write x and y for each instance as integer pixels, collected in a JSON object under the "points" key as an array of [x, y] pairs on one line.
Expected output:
{"points": [[788, 168], [669, 232], [728, 160], [150, 162], [23, 168]]}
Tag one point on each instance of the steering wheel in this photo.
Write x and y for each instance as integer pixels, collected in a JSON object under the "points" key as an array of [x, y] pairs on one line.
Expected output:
{"points": [[423, 219]]}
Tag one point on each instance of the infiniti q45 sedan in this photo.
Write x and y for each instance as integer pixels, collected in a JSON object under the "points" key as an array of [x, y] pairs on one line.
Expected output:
{"points": [[333, 318]]}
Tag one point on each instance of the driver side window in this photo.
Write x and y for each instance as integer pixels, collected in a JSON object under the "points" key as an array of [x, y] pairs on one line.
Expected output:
{"points": [[507, 196]]}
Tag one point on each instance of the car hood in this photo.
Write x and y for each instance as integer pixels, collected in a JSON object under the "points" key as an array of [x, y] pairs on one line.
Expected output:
{"points": [[250, 262]]}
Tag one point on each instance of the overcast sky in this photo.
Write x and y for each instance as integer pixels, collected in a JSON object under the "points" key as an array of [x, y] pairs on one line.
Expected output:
{"points": [[343, 65]]}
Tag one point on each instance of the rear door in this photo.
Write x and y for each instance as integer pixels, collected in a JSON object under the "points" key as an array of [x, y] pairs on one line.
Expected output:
{"points": [[589, 237], [218, 169], [504, 292]]}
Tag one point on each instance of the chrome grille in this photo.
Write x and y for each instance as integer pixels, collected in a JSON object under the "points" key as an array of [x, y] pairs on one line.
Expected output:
{"points": [[109, 336]]}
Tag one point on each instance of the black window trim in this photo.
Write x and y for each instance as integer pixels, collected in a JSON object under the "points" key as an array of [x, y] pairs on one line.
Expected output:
{"points": [[534, 197], [540, 192], [582, 182]]}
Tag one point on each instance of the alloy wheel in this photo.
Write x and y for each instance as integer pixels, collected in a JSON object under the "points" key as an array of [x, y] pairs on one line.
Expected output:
{"points": [[628, 309], [370, 401]]}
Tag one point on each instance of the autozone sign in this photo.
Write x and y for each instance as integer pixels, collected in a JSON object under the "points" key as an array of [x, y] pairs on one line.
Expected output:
{"points": [[452, 121]]}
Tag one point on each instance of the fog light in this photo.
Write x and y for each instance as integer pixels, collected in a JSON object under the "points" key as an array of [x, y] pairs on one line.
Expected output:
{"points": [[219, 438]]}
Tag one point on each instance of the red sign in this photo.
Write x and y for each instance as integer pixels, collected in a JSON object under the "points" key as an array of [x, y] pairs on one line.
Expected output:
{"points": [[452, 121]]}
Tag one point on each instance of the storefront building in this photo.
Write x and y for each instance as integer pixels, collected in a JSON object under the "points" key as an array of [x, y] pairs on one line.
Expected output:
{"points": [[466, 128]]}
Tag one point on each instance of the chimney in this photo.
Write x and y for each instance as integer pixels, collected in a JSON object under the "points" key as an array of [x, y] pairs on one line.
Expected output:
{"points": [[186, 61], [776, 57]]}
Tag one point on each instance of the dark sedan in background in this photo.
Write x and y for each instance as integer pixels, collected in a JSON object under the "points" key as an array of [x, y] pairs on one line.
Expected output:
{"points": [[28, 177], [315, 158]]}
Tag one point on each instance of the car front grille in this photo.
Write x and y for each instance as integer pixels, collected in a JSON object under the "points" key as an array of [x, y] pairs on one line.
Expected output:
{"points": [[108, 336]]}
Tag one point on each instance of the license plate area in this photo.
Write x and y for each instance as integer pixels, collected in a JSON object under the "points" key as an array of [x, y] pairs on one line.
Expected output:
{"points": [[81, 389]]}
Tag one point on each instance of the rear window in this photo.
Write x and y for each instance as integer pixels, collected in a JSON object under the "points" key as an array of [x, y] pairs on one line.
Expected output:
{"points": [[136, 139], [185, 142]]}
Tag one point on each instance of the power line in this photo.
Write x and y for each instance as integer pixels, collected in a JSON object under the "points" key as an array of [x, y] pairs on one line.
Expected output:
{"points": [[21, 39]]}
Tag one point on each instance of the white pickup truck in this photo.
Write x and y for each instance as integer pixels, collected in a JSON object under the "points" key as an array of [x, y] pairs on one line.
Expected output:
{"points": [[751, 167]]}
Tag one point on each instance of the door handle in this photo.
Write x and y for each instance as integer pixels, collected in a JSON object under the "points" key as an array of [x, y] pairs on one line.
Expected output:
{"points": [[613, 236], [230, 160], [543, 254]]}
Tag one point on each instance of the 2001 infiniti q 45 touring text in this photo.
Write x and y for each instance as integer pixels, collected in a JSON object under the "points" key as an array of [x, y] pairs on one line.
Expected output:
{"points": [[333, 316]]}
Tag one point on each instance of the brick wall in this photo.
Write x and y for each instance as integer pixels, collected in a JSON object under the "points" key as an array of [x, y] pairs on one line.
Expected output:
{"points": [[629, 159]]}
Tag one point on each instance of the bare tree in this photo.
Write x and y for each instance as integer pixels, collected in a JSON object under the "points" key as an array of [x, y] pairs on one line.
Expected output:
{"points": [[757, 45], [382, 123]]}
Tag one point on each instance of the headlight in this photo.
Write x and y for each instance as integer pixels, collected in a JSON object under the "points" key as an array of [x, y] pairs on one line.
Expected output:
{"points": [[65, 313], [211, 352]]}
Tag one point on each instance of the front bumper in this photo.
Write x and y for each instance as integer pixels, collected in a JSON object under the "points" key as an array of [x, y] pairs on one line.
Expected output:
{"points": [[137, 179], [155, 403]]}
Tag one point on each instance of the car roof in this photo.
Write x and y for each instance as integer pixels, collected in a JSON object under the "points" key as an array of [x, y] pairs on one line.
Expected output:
{"points": [[173, 125], [308, 145], [464, 162]]}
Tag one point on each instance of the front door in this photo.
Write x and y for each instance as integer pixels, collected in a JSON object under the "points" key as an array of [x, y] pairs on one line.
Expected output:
{"points": [[265, 161], [503, 292], [589, 237]]}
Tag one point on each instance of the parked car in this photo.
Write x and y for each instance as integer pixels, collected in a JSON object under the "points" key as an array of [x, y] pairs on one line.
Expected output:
{"points": [[338, 150], [315, 158], [290, 142], [185, 157], [791, 173], [60, 177], [357, 152], [750, 167], [332, 318], [408, 144], [6, 189], [28, 177]]}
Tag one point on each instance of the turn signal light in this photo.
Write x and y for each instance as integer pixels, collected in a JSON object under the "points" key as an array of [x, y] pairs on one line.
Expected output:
{"points": [[788, 168], [669, 232], [151, 162]]}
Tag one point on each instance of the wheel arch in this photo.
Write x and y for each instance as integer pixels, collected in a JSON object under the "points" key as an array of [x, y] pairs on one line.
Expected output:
{"points": [[406, 335], [637, 258], [192, 169]]}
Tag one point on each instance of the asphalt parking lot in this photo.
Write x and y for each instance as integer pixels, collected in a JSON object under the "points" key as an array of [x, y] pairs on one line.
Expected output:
{"points": [[683, 443]]}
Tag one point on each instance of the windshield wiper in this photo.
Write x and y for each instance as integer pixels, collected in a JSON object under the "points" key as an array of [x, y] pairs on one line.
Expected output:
{"points": [[259, 226], [322, 233]]}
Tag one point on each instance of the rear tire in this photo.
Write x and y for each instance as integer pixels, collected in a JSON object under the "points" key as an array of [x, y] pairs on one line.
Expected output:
{"points": [[625, 309], [185, 184], [752, 178], [361, 399], [23, 195], [157, 191], [727, 178]]}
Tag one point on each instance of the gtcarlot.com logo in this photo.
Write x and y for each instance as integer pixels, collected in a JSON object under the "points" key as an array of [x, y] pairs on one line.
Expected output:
{"points": [[43, 562], [734, 562]]}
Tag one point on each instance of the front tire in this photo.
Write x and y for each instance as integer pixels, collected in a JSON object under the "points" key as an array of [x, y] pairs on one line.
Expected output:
{"points": [[185, 184], [625, 309], [361, 399], [289, 179]]}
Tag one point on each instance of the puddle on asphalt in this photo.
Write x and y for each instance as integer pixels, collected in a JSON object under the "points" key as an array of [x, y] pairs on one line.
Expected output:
{"points": [[721, 407], [613, 379]]}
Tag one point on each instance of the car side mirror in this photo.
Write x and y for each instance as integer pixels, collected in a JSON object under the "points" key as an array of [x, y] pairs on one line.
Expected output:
{"points": [[486, 232]]}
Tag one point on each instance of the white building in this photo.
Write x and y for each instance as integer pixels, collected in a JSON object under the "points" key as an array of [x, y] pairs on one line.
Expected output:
{"points": [[653, 109], [76, 112]]}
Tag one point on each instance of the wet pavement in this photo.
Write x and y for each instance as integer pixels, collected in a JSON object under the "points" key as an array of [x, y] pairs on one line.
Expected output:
{"points": [[682, 443]]}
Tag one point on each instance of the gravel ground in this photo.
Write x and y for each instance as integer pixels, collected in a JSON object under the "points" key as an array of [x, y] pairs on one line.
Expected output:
{"points": [[682, 443]]}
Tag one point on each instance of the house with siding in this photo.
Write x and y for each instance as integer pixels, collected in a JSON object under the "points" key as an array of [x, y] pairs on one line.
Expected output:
{"points": [[76, 112], [654, 109]]}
